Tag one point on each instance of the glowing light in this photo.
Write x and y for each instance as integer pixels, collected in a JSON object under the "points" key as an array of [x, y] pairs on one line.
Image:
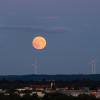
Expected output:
{"points": [[39, 42]]}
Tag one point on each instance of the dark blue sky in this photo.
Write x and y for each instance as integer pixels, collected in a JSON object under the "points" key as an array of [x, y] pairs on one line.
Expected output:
{"points": [[71, 27]]}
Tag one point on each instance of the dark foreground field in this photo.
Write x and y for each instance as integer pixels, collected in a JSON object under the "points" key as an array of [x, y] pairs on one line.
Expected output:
{"points": [[11, 86], [47, 97]]}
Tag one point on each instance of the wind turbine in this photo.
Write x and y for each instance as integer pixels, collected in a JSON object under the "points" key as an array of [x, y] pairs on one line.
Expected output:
{"points": [[35, 65], [93, 65]]}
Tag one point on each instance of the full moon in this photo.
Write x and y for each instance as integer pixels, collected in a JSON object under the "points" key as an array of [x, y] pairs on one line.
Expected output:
{"points": [[39, 42]]}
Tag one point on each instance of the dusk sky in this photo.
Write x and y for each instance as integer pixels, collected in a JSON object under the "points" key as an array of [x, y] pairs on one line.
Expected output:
{"points": [[71, 28]]}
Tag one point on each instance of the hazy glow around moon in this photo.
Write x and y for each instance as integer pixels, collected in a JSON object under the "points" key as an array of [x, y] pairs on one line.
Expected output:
{"points": [[39, 42]]}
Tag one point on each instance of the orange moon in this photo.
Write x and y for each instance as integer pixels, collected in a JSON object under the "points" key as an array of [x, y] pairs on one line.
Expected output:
{"points": [[39, 42]]}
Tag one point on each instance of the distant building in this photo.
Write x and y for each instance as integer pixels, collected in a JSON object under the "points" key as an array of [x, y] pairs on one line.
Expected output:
{"points": [[40, 86]]}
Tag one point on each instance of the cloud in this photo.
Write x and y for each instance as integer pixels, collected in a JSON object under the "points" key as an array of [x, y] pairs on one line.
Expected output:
{"points": [[30, 28], [20, 27], [52, 17], [59, 29]]}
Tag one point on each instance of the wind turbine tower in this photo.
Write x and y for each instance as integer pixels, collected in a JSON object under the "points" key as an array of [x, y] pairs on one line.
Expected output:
{"points": [[35, 66], [93, 65]]}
